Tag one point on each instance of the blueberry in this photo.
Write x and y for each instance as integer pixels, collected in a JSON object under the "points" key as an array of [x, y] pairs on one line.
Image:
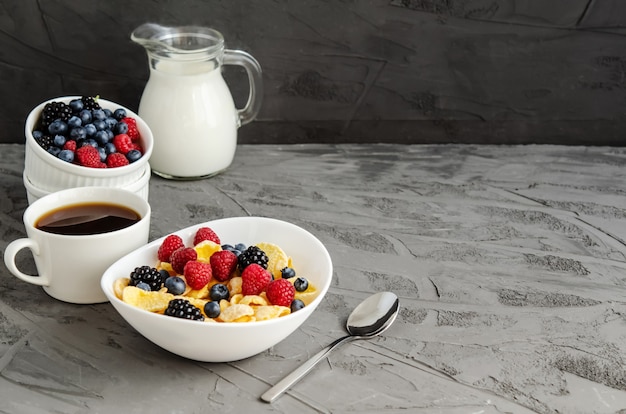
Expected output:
{"points": [[120, 128], [66, 155], [109, 147], [108, 112], [85, 116], [111, 122], [212, 309], [164, 274], [98, 114], [231, 248], [54, 150], [78, 133], [76, 105], [90, 129], [218, 292], [99, 124], [144, 286], [57, 127], [37, 134], [101, 137], [287, 272], [296, 305], [240, 246], [74, 122], [59, 140], [84, 142], [103, 154], [133, 155], [301, 284], [110, 134], [175, 285], [119, 114]]}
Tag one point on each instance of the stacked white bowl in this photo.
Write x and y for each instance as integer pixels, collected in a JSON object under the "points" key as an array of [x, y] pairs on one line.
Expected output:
{"points": [[44, 173]]}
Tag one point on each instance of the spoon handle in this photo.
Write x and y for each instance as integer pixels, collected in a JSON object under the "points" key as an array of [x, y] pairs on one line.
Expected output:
{"points": [[298, 373]]}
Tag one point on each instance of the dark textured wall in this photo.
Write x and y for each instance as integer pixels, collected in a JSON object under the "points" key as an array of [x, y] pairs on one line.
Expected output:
{"points": [[409, 71]]}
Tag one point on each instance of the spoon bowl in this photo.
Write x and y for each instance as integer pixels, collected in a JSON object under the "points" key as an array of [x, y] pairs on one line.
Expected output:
{"points": [[370, 318], [374, 315]]}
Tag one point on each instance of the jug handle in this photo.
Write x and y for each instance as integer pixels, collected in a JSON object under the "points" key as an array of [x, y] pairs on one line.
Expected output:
{"points": [[253, 69]]}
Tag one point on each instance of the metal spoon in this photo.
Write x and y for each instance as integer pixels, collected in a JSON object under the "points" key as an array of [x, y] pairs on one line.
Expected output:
{"points": [[370, 318]]}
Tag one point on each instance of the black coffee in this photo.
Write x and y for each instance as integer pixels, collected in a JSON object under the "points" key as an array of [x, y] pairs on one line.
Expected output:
{"points": [[87, 218]]}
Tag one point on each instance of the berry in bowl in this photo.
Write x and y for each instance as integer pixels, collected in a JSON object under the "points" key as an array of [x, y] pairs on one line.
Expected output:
{"points": [[76, 141], [223, 290]]}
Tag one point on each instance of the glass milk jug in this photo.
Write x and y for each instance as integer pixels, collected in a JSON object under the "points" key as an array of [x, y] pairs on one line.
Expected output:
{"points": [[186, 102]]}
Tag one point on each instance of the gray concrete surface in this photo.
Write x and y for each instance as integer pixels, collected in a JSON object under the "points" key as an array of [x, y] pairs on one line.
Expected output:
{"points": [[510, 263]]}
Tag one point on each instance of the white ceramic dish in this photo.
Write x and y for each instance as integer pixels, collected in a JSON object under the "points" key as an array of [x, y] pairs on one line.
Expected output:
{"points": [[221, 342], [140, 187], [49, 173]]}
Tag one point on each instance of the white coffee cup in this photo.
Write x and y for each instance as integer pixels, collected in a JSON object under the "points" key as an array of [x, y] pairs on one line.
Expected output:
{"points": [[69, 267]]}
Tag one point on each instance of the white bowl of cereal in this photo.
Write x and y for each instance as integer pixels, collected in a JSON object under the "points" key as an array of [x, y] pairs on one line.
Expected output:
{"points": [[248, 318]]}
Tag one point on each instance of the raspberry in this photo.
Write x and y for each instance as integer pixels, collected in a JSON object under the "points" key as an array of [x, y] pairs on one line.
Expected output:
{"points": [[117, 160], [122, 143], [254, 279], [197, 274], [180, 257], [182, 308], [223, 264], [70, 144], [252, 255], [280, 292], [147, 274], [170, 243], [133, 132], [88, 156], [205, 233]]}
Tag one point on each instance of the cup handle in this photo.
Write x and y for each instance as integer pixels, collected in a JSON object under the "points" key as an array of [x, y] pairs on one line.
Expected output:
{"points": [[9, 260], [253, 69]]}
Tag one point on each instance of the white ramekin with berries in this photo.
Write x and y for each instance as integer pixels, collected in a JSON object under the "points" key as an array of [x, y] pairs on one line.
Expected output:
{"points": [[70, 142]]}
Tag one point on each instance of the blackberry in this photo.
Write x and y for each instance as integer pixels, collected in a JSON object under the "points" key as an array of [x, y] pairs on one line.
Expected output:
{"points": [[182, 308], [45, 142], [147, 274], [55, 110], [89, 102], [252, 255]]}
